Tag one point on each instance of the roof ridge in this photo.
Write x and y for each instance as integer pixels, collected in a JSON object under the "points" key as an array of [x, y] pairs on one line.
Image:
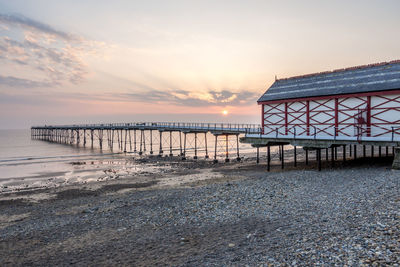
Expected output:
{"points": [[341, 70]]}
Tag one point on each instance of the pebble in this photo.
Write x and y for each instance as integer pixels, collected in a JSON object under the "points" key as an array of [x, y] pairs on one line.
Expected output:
{"points": [[302, 217]]}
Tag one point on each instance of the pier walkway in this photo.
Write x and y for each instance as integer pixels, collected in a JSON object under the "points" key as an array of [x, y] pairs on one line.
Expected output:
{"points": [[135, 135]]}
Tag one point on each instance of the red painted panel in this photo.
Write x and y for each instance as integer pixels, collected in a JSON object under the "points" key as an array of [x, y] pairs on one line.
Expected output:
{"points": [[388, 92]]}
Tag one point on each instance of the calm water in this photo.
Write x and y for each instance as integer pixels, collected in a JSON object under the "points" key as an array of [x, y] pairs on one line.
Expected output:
{"points": [[23, 158], [24, 161]]}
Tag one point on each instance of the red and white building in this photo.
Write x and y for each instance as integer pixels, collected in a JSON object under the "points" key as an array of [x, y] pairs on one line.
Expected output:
{"points": [[359, 103]]}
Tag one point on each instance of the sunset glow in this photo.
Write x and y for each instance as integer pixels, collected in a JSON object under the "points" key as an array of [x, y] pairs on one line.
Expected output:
{"points": [[174, 60]]}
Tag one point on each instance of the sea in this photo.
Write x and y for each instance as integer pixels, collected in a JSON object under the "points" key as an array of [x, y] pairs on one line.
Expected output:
{"points": [[27, 163]]}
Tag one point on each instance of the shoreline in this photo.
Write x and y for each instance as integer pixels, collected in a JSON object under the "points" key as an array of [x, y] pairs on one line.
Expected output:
{"points": [[230, 214], [95, 169]]}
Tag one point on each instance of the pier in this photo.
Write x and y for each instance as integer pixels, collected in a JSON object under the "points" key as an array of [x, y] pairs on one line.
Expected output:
{"points": [[141, 137], [169, 138]]}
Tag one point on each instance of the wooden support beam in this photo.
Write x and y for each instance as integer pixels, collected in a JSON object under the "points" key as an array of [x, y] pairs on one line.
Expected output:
{"points": [[205, 143], [268, 158], [195, 146], [319, 158], [258, 155], [151, 142], [306, 156], [344, 153], [355, 151], [237, 148], [226, 148], [215, 149]]}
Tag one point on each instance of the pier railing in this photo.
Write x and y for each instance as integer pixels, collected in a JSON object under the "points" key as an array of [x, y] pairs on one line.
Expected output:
{"points": [[348, 132], [231, 127]]}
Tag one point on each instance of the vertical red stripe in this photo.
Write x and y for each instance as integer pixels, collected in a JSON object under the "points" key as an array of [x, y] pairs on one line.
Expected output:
{"points": [[337, 116], [262, 118], [368, 115], [308, 117], [286, 118]]}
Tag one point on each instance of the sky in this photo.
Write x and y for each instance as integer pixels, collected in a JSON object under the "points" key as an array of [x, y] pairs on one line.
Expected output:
{"points": [[69, 62]]}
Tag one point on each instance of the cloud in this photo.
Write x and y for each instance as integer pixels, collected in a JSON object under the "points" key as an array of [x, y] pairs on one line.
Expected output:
{"points": [[25, 83], [52, 56], [190, 98], [33, 25]]}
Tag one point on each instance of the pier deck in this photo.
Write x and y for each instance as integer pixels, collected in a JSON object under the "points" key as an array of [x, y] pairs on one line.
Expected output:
{"points": [[123, 132], [252, 134]]}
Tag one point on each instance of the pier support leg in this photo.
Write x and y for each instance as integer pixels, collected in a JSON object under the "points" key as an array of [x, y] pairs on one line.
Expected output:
{"points": [[364, 151], [180, 143], [355, 152], [396, 160], [112, 139], [226, 149], [380, 151], [134, 141], [237, 148], [205, 143], [295, 156], [170, 144], [144, 141], [151, 142], [268, 157], [350, 152], [184, 147], [71, 141], [130, 141], [195, 146], [344, 153], [333, 157], [126, 136], [258, 155], [160, 152], [101, 138], [372, 151], [118, 139], [91, 137], [283, 157], [84, 137], [326, 153], [141, 141], [335, 152], [387, 151], [306, 156], [122, 140], [215, 149], [319, 158]]}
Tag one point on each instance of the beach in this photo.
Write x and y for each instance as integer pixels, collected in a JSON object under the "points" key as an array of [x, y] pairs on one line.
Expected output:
{"points": [[195, 213]]}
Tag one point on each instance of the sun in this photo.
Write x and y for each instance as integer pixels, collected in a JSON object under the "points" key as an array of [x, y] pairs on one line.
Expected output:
{"points": [[225, 112]]}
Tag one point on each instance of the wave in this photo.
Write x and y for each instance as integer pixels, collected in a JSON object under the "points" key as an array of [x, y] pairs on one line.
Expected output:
{"points": [[33, 158]]}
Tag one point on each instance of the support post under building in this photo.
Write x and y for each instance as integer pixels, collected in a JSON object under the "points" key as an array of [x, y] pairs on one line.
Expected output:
{"points": [[396, 161]]}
